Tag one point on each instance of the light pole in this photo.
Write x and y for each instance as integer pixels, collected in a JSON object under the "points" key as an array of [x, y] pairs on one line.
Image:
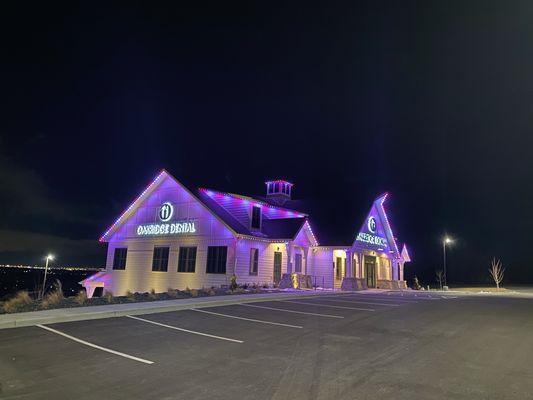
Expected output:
{"points": [[445, 241], [49, 257]]}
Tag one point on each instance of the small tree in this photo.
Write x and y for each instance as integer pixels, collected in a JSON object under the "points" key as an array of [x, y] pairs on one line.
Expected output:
{"points": [[440, 277], [496, 271]]}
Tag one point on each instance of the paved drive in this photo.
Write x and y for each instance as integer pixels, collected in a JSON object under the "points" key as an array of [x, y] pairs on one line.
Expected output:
{"points": [[340, 346]]}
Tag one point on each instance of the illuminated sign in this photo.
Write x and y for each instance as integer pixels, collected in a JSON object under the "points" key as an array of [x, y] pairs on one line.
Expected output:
{"points": [[175, 228], [371, 239], [165, 212], [372, 224]]}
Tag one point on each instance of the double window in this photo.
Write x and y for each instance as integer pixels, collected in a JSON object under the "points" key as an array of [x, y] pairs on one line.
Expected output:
{"points": [[254, 261], [119, 260], [216, 259], [256, 217], [187, 259], [160, 260]]}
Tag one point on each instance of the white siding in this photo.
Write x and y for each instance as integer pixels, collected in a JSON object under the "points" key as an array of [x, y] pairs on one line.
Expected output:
{"points": [[321, 266]]}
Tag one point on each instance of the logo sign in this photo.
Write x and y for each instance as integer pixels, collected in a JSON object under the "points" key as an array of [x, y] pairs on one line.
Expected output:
{"points": [[165, 212], [176, 228], [372, 224]]}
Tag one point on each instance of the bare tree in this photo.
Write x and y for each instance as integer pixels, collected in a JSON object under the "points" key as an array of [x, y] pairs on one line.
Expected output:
{"points": [[440, 277], [496, 271]]}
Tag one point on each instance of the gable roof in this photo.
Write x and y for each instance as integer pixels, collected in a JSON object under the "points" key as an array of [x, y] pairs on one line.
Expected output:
{"points": [[378, 210], [273, 230]]}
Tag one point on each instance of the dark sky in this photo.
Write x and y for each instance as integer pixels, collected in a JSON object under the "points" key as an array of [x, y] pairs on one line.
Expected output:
{"points": [[429, 100]]}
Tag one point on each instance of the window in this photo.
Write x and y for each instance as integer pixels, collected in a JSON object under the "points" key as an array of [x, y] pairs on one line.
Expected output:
{"points": [[256, 217], [216, 259], [187, 259], [297, 263], [254, 261], [119, 260], [160, 261]]}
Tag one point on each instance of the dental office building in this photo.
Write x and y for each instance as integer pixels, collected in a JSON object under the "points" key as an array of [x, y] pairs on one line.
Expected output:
{"points": [[174, 236]]}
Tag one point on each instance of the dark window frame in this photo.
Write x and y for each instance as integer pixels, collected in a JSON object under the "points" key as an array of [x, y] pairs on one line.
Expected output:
{"points": [[256, 217], [187, 259], [160, 258], [217, 258], [120, 256], [254, 261]]}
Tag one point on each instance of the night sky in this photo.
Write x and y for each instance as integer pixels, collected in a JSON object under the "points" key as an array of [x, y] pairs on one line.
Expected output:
{"points": [[431, 101]]}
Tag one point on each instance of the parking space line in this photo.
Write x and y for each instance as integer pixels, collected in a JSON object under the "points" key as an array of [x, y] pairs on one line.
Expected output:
{"points": [[118, 353], [292, 311], [185, 330], [355, 301], [371, 297], [326, 305], [246, 319]]}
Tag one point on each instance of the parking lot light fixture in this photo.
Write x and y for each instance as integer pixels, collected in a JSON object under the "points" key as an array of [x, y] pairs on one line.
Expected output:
{"points": [[446, 241], [49, 258]]}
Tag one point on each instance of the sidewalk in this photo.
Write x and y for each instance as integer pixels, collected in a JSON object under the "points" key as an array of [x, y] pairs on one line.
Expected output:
{"points": [[149, 307]]}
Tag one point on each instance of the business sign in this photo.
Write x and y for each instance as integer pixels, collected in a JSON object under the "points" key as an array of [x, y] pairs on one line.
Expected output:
{"points": [[175, 228], [371, 239], [165, 213]]}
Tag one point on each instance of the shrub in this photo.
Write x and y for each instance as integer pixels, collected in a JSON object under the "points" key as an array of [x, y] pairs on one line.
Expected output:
{"points": [[172, 293], [108, 296], [194, 292], [130, 296], [152, 295], [233, 282], [52, 299], [212, 292], [18, 303], [81, 298]]}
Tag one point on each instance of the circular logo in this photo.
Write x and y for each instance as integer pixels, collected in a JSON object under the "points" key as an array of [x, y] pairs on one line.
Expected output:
{"points": [[165, 212], [372, 224]]}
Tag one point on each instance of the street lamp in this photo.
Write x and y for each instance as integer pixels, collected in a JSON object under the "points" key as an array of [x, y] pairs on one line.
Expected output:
{"points": [[445, 241], [49, 257]]}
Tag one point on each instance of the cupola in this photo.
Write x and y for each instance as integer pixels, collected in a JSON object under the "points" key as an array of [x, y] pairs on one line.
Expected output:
{"points": [[279, 190]]}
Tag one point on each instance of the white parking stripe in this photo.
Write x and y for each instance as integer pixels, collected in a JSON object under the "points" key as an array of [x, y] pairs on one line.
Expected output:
{"points": [[246, 319], [326, 305], [185, 330], [372, 297], [292, 311], [355, 301], [118, 353]]}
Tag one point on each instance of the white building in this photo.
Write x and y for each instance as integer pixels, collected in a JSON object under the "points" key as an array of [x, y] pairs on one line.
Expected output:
{"points": [[176, 237]]}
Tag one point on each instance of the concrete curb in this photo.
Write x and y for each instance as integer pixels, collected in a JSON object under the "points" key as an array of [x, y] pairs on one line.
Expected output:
{"points": [[118, 310]]}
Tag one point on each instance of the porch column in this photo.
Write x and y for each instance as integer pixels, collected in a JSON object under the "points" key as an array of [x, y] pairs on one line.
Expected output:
{"points": [[290, 247], [305, 251], [235, 257], [348, 272]]}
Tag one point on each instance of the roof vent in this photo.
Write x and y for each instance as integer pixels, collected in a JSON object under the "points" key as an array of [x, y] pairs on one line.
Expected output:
{"points": [[279, 190]]}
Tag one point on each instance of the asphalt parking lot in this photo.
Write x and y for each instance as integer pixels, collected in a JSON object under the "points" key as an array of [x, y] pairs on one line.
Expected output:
{"points": [[338, 346]]}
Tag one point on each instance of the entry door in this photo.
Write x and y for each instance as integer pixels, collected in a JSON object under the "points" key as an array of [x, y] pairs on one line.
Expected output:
{"points": [[277, 267], [370, 271]]}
